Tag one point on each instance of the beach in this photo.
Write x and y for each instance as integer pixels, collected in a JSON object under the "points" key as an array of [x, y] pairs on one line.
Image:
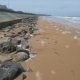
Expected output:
{"points": [[55, 48], [58, 52]]}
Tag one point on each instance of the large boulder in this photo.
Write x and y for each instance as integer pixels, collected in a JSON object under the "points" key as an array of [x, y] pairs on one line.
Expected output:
{"points": [[9, 70]]}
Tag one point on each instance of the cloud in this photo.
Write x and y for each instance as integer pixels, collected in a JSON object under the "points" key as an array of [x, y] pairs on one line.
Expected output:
{"points": [[53, 7]]}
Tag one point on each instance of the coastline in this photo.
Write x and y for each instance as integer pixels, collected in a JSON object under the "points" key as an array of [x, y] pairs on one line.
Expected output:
{"points": [[58, 53], [56, 47]]}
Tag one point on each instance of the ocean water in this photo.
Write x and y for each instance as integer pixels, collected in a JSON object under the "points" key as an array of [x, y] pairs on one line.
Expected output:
{"points": [[71, 21]]}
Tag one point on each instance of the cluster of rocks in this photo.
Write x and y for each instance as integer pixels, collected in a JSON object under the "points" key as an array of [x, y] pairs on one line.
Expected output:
{"points": [[15, 39]]}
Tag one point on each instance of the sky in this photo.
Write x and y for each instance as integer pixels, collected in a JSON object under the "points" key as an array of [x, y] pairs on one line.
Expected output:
{"points": [[51, 7]]}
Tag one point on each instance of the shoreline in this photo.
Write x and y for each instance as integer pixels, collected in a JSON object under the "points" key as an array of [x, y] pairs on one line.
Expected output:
{"points": [[67, 21], [58, 52]]}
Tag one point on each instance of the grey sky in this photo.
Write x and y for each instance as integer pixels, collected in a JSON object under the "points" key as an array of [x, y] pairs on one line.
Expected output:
{"points": [[52, 7]]}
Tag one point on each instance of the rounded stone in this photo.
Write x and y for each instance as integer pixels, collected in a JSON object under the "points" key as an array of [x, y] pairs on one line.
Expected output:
{"points": [[21, 56]]}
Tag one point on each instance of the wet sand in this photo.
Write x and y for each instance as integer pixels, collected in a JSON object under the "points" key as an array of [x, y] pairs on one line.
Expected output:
{"points": [[58, 53]]}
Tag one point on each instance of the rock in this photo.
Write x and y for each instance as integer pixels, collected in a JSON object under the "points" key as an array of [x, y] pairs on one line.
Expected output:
{"points": [[4, 47], [9, 27], [23, 50], [9, 70], [1, 45], [27, 46], [5, 44], [13, 35], [23, 77], [18, 47], [21, 56], [8, 74], [29, 70], [23, 41], [31, 31], [0, 61], [6, 30], [26, 36], [15, 40], [7, 47], [19, 32]]}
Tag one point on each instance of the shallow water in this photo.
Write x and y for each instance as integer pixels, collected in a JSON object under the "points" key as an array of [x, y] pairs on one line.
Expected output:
{"points": [[71, 21]]}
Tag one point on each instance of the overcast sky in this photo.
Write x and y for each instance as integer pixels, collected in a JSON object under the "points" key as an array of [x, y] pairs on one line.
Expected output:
{"points": [[52, 7]]}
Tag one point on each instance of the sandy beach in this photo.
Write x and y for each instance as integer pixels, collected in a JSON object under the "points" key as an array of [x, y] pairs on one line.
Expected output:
{"points": [[58, 53]]}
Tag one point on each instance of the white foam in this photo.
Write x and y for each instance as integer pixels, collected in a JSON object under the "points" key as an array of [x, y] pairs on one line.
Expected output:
{"points": [[31, 57], [46, 27], [77, 32], [75, 37], [57, 29], [67, 46], [38, 75], [67, 28], [60, 30], [55, 26], [72, 21], [42, 42], [41, 30], [65, 32], [78, 44], [53, 72]]}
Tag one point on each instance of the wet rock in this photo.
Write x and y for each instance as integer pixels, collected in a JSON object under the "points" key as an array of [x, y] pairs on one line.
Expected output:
{"points": [[23, 77], [9, 70], [29, 70], [21, 56]]}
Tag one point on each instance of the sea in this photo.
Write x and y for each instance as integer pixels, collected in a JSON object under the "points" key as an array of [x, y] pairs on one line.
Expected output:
{"points": [[70, 21]]}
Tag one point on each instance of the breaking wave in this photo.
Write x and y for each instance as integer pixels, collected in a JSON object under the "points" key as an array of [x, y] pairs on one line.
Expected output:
{"points": [[71, 21]]}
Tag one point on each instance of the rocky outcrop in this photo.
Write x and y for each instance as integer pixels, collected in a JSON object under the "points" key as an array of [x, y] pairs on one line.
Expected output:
{"points": [[9, 70]]}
